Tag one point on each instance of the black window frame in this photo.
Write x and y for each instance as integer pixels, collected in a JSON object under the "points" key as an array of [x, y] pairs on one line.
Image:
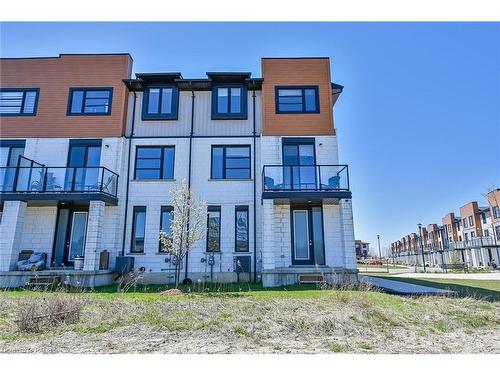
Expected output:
{"points": [[162, 159], [471, 221], [224, 162], [247, 242], [242, 115], [213, 209], [302, 88], [24, 91], [496, 212], [160, 116], [164, 209], [82, 112], [135, 211]]}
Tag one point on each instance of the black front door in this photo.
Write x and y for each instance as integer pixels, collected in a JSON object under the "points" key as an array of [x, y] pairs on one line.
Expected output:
{"points": [[307, 235], [299, 171], [71, 231]]}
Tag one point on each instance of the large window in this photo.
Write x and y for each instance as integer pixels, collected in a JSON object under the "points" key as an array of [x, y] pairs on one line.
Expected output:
{"points": [[213, 228], [297, 100], [229, 102], [167, 214], [160, 103], [496, 212], [18, 102], [154, 163], [465, 222], [471, 221], [241, 228], [230, 162], [90, 101], [138, 229]]}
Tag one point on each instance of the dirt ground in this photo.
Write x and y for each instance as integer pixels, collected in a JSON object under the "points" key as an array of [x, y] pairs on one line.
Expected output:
{"points": [[320, 322]]}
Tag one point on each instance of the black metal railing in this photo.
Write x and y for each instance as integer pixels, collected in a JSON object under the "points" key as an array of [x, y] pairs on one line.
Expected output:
{"points": [[32, 177], [305, 178]]}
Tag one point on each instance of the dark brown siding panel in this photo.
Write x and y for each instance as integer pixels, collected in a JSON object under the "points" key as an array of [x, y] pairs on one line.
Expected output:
{"points": [[54, 77], [297, 72]]}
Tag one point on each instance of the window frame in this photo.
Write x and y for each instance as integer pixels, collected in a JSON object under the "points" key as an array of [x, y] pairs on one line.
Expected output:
{"points": [[242, 115], [496, 212], [471, 221], [465, 223], [236, 210], [136, 210], [174, 115], [162, 160], [213, 209], [303, 89], [169, 209], [23, 90], [85, 89], [224, 157]]}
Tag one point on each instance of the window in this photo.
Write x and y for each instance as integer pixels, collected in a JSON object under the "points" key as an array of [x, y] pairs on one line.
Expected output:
{"points": [[483, 217], [160, 103], [18, 102], [230, 162], [213, 229], [154, 163], [167, 214], [472, 234], [449, 228], [138, 229], [496, 212], [241, 228], [486, 233], [465, 222], [497, 231], [458, 225], [90, 101], [10, 157], [297, 99], [471, 221], [229, 102]]}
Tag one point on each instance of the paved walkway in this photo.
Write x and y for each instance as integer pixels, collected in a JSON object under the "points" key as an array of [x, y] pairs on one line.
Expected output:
{"points": [[461, 276], [401, 287]]}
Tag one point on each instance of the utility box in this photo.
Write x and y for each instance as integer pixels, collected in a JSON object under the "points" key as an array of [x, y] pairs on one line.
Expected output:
{"points": [[124, 265]]}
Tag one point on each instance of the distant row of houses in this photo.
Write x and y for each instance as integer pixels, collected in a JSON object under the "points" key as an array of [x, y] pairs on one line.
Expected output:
{"points": [[473, 238]]}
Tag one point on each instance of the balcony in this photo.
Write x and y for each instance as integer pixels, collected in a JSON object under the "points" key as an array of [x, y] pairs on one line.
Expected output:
{"points": [[32, 181], [305, 182]]}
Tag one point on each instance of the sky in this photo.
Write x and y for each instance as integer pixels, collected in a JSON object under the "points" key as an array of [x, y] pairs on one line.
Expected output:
{"points": [[418, 121]]}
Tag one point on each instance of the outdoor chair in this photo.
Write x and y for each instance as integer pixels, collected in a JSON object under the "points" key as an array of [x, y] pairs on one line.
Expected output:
{"points": [[333, 183]]}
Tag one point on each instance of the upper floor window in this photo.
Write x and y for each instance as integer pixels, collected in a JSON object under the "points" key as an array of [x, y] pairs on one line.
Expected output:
{"points": [[138, 229], [18, 102], [241, 228], [90, 101], [154, 163], [230, 162], [471, 221], [167, 215], [10, 151], [229, 102], [213, 228], [160, 103], [297, 99], [496, 212], [465, 222]]}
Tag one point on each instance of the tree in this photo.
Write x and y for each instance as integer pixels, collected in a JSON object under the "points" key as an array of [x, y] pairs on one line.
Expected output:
{"points": [[187, 226]]}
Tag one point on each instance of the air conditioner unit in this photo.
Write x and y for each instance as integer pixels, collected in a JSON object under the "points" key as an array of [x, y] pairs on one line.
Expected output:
{"points": [[242, 264], [124, 265]]}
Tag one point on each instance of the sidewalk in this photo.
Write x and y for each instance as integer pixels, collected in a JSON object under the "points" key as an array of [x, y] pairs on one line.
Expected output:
{"points": [[461, 276], [401, 287]]}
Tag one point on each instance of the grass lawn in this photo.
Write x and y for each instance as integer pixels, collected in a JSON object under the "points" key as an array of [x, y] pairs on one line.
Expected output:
{"points": [[482, 289], [246, 318]]}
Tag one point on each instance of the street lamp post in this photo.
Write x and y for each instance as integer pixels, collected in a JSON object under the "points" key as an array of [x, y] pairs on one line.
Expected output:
{"points": [[380, 253], [421, 245]]}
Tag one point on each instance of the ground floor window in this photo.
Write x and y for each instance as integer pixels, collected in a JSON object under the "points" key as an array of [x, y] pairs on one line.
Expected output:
{"points": [[167, 214], [213, 228], [241, 228], [138, 229]]}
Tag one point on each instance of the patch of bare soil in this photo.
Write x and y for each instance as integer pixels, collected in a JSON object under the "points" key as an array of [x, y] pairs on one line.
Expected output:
{"points": [[171, 292], [352, 322]]}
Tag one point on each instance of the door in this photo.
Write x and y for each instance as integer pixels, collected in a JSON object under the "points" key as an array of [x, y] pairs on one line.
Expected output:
{"points": [[71, 230], [84, 160], [299, 161], [307, 236]]}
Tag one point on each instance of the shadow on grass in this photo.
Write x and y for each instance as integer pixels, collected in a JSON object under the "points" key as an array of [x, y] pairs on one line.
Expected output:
{"points": [[477, 289]]}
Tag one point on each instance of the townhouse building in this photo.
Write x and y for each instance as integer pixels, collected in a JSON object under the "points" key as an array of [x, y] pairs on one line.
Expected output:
{"points": [[362, 249], [90, 157]]}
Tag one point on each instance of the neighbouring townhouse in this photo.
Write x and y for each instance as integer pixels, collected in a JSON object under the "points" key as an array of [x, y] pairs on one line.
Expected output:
{"points": [[90, 155], [362, 249], [471, 240]]}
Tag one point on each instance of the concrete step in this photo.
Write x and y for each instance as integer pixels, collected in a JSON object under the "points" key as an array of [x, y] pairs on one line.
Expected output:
{"points": [[43, 282]]}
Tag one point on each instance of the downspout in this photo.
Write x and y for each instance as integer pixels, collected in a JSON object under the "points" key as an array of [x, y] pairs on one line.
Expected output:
{"points": [[128, 172], [254, 192], [189, 163]]}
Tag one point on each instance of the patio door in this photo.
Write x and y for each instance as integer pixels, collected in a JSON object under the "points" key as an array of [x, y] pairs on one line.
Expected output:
{"points": [[307, 236], [84, 159], [299, 171], [71, 230]]}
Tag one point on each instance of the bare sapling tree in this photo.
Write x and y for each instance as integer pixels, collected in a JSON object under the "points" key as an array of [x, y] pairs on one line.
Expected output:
{"points": [[187, 226]]}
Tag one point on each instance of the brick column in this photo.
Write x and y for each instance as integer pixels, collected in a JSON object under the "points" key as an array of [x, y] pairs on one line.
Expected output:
{"points": [[93, 242], [347, 223], [11, 228], [268, 240]]}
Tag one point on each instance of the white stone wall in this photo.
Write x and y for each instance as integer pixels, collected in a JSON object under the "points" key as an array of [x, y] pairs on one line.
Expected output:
{"points": [[11, 231], [38, 230]]}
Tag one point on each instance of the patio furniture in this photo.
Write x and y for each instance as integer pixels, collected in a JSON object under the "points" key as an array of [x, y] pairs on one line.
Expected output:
{"points": [[30, 261], [333, 183]]}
